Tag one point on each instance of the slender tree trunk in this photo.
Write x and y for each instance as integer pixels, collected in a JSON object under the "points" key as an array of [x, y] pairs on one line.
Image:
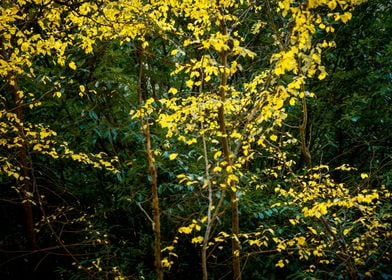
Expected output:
{"points": [[25, 185], [235, 245], [25, 165], [212, 212], [302, 129], [235, 229], [156, 225], [209, 224]]}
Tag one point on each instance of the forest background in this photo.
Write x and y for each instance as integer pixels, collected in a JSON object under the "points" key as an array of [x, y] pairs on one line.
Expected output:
{"points": [[195, 139]]}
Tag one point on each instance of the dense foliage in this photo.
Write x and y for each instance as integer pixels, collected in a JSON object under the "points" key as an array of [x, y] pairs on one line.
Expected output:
{"points": [[195, 139]]}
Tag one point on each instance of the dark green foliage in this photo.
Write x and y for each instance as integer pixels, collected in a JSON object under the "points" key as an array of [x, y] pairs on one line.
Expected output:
{"points": [[351, 117]]}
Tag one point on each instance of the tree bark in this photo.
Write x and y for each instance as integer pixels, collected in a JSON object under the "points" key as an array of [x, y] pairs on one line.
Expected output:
{"points": [[302, 130], [235, 245], [25, 165], [25, 184], [152, 169]]}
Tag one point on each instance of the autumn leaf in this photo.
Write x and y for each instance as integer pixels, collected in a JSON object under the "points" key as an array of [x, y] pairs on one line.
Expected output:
{"points": [[72, 65], [173, 156]]}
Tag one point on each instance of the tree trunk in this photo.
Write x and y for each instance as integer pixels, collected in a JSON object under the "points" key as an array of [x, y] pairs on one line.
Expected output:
{"points": [[302, 130], [235, 245], [25, 165], [156, 225]]}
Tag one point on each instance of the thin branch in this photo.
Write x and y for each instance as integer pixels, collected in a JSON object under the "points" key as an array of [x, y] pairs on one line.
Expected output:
{"points": [[145, 213]]}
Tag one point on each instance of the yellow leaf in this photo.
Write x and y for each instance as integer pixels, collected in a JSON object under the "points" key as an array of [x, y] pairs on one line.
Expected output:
{"points": [[255, 242], [280, 264], [330, 29], [168, 248], [301, 241], [217, 154], [312, 230], [279, 104], [368, 273], [322, 75], [273, 137], [218, 239], [346, 17], [173, 90], [191, 141], [72, 65], [364, 175], [332, 5], [217, 169], [173, 156], [224, 234], [197, 239], [166, 263], [189, 83], [185, 230], [233, 178]]}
